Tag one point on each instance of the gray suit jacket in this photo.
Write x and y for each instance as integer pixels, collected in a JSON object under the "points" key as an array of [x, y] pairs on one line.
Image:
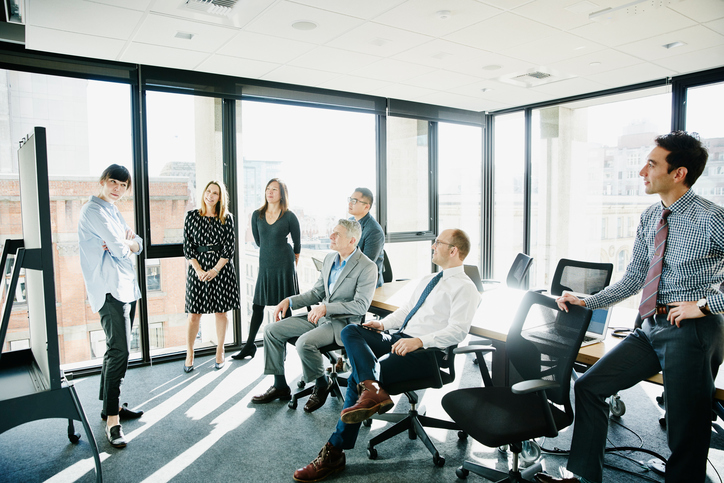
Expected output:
{"points": [[352, 294]]}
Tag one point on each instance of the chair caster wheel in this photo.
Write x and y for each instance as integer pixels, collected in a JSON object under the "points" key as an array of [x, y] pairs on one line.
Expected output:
{"points": [[301, 384], [367, 422], [292, 404], [462, 473], [617, 406], [438, 460], [74, 438], [530, 452], [372, 453], [462, 435]]}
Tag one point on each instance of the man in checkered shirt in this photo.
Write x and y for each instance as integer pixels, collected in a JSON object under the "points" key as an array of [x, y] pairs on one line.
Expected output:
{"points": [[684, 337]]}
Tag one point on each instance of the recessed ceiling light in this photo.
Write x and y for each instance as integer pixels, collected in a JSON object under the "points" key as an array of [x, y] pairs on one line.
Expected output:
{"points": [[492, 67], [304, 25], [486, 89], [594, 64], [443, 14], [184, 35], [442, 55], [673, 45], [379, 42]]}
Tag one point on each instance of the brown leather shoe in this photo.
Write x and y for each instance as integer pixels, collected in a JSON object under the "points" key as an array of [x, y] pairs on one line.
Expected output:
{"points": [[271, 394], [372, 400], [318, 398], [546, 478], [330, 461]]}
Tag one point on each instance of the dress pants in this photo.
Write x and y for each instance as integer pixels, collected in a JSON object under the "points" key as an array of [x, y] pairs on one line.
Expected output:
{"points": [[369, 355], [310, 338], [689, 357], [117, 322]]}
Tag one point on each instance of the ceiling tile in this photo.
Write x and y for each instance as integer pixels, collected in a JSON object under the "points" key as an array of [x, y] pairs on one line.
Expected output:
{"points": [[280, 17], [70, 43], [392, 70], [499, 92], [710, 58], [570, 87], [696, 38], [138, 53], [440, 54], [377, 39], [234, 66], [555, 13], [422, 16], [242, 13], [355, 84], [333, 60], [132, 4], [605, 60], [552, 49], [699, 10], [505, 4], [404, 92], [485, 62], [264, 48], [633, 74], [441, 80], [161, 30], [502, 31], [299, 75], [460, 102], [716, 26], [84, 18], [366, 9], [626, 29]]}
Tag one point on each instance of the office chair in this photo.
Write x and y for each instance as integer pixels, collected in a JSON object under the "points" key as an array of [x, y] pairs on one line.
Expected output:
{"points": [[542, 345], [386, 268], [582, 277], [337, 382], [438, 370], [517, 273]]}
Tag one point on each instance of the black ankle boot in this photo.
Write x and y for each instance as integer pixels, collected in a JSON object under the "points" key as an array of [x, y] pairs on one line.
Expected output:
{"points": [[249, 350]]}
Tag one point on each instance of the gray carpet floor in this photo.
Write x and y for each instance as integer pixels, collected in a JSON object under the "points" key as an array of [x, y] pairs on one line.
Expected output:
{"points": [[202, 426]]}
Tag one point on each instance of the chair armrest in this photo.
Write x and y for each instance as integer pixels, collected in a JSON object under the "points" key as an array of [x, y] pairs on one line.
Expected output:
{"points": [[490, 280], [533, 385], [480, 342], [476, 349]]}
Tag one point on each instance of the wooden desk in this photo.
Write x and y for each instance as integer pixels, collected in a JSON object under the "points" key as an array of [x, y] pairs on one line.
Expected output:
{"points": [[495, 314]]}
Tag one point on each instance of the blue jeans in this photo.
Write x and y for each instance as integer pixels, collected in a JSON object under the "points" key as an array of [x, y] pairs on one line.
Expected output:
{"points": [[689, 357], [369, 355]]}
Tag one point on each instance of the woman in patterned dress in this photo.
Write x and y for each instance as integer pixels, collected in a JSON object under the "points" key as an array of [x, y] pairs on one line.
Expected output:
{"points": [[211, 285], [277, 279]]}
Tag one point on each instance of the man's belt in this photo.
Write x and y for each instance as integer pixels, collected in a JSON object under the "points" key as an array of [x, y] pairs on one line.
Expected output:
{"points": [[662, 309], [209, 248]]}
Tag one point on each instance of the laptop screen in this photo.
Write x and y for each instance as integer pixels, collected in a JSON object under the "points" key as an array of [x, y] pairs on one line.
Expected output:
{"points": [[599, 320]]}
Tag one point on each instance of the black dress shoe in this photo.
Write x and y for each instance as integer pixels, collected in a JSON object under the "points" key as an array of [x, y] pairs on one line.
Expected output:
{"points": [[546, 478], [249, 350], [124, 413], [116, 437], [318, 397], [271, 394]]}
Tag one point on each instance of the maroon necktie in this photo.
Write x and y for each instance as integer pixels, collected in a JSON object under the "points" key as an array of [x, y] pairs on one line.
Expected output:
{"points": [[651, 287]]}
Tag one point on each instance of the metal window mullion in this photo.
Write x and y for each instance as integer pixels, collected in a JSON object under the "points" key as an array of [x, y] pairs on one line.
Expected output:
{"points": [[487, 201]]}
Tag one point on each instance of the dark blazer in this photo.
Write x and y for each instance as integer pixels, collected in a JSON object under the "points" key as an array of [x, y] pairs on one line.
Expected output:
{"points": [[372, 243]]}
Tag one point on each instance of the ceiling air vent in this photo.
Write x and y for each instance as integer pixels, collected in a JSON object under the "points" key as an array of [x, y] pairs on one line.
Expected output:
{"points": [[535, 75], [221, 8]]}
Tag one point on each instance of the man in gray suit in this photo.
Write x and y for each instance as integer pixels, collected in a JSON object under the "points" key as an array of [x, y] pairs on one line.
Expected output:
{"points": [[344, 292]]}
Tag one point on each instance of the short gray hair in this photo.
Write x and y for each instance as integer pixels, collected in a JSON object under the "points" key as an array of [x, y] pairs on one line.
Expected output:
{"points": [[354, 229]]}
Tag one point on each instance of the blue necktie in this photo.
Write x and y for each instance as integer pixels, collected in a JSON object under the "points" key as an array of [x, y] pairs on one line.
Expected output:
{"points": [[425, 293]]}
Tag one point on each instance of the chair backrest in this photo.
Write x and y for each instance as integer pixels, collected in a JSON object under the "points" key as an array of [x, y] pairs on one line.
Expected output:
{"points": [[543, 343], [386, 269], [582, 277], [518, 271], [474, 274]]}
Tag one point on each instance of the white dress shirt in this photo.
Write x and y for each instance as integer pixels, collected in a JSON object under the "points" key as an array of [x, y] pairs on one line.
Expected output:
{"points": [[444, 318]]}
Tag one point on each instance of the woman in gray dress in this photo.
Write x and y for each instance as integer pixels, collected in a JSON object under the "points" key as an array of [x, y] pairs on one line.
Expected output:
{"points": [[271, 225], [211, 285]]}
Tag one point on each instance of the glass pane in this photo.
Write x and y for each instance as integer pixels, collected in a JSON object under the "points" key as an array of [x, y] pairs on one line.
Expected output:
{"points": [[407, 175], [587, 193], [88, 127], [181, 130], [322, 155], [410, 259], [509, 195], [704, 106], [460, 159]]}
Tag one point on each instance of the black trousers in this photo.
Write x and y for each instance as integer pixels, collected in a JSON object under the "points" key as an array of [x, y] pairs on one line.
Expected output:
{"points": [[117, 322]]}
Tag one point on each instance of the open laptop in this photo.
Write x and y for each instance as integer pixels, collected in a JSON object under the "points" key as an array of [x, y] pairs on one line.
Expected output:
{"points": [[599, 324], [318, 263]]}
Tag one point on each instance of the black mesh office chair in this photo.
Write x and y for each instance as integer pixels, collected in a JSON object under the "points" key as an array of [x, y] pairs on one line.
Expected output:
{"points": [[582, 277], [542, 345], [386, 269], [438, 370], [516, 274]]}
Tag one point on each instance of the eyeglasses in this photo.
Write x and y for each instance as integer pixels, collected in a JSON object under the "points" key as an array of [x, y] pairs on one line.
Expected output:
{"points": [[438, 242], [354, 201]]}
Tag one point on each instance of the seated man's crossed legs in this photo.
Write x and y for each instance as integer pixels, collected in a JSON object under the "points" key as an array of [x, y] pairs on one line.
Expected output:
{"points": [[310, 338]]}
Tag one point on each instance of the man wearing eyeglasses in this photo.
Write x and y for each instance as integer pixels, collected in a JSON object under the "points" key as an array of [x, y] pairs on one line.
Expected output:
{"points": [[372, 242], [381, 352]]}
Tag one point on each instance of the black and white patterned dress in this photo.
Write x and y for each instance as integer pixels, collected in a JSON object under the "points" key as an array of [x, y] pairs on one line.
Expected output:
{"points": [[222, 293]]}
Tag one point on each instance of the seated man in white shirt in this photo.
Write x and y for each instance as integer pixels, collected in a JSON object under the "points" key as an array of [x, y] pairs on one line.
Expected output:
{"points": [[438, 314]]}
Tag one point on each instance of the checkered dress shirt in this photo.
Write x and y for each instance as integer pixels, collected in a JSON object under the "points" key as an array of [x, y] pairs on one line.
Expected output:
{"points": [[693, 265]]}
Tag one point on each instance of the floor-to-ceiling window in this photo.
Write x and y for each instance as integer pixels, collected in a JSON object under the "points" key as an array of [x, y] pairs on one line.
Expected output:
{"points": [[321, 154], [587, 194]]}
